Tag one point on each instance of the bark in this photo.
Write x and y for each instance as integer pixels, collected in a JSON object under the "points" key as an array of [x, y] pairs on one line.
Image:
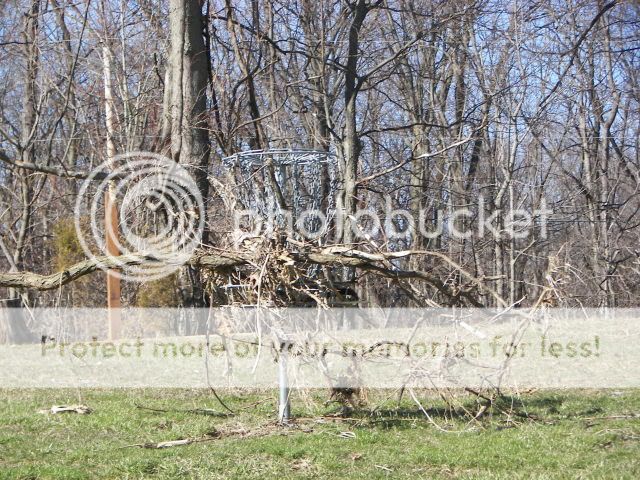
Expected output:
{"points": [[260, 140], [16, 329], [224, 261], [351, 143], [70, 94], [188, 84]]}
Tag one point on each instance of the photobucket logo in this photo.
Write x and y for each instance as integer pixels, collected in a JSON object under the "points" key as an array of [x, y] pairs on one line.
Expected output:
{"points": [[396, 223], [159, 215]]}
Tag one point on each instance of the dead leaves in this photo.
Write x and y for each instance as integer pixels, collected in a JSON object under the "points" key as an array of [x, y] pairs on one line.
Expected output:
{"points": [[261, 431], [301, 464], [80, 409]]}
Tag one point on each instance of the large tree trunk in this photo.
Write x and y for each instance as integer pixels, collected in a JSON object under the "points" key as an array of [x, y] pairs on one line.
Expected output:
{"points": [[351, 143], [188, 83], [188, 79], [15, 329]]}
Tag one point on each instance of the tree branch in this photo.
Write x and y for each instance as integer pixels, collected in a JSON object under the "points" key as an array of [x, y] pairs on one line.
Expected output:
{"points": [[58, 171], [224, 261]]}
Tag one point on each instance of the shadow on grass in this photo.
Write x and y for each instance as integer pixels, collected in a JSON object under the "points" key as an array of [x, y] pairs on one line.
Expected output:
{"points": [[501, 408]]}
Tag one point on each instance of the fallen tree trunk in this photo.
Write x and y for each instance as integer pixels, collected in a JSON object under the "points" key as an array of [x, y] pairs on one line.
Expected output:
{"points": [[376, 263], [55, 280]]}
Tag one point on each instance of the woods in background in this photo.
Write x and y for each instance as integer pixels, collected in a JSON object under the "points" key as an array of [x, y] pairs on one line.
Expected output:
{"points": [[430, 105]]}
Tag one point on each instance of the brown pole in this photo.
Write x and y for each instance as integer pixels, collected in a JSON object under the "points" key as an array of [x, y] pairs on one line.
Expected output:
{"points": [[113, 281], [111, 208]]}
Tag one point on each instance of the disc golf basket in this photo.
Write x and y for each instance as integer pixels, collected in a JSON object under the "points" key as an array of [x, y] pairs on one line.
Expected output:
{"points": [[283, 186], [281, 183]]}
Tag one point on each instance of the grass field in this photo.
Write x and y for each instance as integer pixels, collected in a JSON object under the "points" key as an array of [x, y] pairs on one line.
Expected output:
{"points": [[550, 435]]}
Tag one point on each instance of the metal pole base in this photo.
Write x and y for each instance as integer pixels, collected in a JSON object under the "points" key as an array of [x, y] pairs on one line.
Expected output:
{"points": [[284, 407]]}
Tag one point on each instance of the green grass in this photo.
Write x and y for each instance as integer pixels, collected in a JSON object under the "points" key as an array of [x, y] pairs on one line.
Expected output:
{"points": [[567, 434]]}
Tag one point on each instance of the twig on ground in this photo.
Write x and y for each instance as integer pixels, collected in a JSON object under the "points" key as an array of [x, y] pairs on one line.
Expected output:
{"points": [[199, 411]]}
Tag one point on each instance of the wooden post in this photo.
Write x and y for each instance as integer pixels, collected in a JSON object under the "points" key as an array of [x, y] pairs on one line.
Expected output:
{"points": [[113, 281], [111, 222]]}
